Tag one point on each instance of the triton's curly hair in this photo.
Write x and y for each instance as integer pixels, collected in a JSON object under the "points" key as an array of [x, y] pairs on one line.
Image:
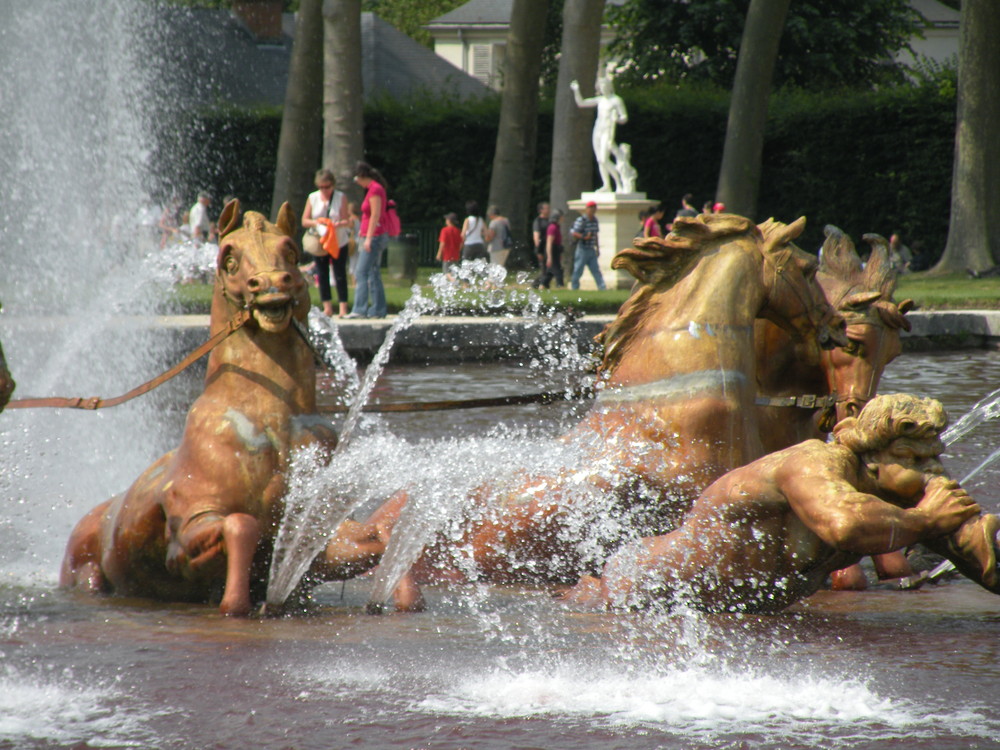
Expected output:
{"points": [[889, 417]]}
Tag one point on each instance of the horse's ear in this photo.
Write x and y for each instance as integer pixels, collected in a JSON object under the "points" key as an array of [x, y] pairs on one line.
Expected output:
{"points": [[859, 300], [879, 273], [230, 217], [905, 306], [838, 258], [287, 223], [777, 235]]}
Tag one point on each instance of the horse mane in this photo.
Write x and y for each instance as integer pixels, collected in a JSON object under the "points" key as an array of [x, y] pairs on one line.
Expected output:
{"points": [[658, 263], [858, 291]]}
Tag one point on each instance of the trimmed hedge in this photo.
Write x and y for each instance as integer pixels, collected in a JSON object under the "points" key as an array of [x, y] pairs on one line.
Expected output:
{"points": [[865, 161]]}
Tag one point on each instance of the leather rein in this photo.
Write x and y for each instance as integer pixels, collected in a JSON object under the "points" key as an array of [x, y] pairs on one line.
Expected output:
{"points": [[96, 402]]}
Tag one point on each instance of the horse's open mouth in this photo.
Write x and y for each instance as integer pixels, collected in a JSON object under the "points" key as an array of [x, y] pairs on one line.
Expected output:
{"points": [[273, 311]]}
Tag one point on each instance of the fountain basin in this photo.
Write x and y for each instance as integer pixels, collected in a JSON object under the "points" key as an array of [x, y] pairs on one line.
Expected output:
{"points": [[465, 339]]}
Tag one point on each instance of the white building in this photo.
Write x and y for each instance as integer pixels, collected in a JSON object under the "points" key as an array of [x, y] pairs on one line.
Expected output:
{"points": [[473, 37], [940, 42]]}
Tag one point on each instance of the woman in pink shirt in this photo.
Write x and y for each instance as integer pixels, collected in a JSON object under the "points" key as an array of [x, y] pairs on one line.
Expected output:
{"points": [[369, 297], [652, 227]]}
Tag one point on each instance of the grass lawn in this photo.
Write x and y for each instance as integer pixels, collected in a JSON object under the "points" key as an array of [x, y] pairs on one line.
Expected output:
{"points": [[951, 292]]}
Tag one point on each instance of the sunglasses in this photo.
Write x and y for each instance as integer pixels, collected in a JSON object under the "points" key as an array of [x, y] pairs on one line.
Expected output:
{"points": [[327, 186]]}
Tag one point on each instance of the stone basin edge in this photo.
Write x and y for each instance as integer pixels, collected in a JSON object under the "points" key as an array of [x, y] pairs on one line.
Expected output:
{"points": [[457, 339]]}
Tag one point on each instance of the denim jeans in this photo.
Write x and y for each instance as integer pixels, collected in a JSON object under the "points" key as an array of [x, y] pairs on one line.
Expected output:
{"points": [[369, 297], [586, 257]]}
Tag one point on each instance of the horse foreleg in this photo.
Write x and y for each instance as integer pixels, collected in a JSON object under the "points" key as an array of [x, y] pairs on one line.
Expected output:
{"points": [[240, 534], [407, 595], [211, 546], [81, 567]]}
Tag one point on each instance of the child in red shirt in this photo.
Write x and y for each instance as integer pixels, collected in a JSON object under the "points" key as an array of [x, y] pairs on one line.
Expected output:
{"points": [[450, 244]]}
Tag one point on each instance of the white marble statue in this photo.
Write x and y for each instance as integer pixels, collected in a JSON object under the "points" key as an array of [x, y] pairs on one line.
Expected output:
{"points": [[610, 112], [625, 169]]}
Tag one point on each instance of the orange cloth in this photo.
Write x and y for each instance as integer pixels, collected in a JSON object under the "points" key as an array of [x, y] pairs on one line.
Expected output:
{"points": [[329, 240]]}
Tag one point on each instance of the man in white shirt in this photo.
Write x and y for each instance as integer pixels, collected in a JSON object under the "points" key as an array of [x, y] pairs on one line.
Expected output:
{"points": [[202, 229]]}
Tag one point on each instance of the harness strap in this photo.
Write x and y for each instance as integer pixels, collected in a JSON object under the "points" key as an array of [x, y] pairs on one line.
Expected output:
{"points": [[96, 402], [546, 397], [808, 401]]}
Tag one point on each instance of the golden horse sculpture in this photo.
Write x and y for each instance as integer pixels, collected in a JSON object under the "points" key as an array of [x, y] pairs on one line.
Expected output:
{"points": [[862, 294], [676, 409], [768, 533], [200, 522]]}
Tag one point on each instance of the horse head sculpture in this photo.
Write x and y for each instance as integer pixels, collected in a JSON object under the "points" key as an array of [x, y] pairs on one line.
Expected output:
{"points": [[257, 268], [722, 269], [808, 389], [863, 295]]}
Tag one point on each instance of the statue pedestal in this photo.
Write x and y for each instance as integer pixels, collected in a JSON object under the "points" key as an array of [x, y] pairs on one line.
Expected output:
{"points": [[618, 214]]}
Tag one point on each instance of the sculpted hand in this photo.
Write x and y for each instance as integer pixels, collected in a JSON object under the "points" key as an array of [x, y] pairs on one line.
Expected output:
{"points": [[946, 505]]}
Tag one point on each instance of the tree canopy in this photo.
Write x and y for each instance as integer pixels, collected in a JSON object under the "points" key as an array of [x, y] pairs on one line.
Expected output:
{"points": [[825, 43]]}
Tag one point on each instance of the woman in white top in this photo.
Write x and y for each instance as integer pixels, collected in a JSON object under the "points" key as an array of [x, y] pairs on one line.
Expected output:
{"points": [[474, 243], [327, 203]]}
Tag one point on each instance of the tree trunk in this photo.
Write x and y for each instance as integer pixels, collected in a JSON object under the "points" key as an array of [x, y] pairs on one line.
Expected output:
{"points": [[572, 157], [343, 102], [974, 231], [517, 133], [739, 177], [299, 145]]}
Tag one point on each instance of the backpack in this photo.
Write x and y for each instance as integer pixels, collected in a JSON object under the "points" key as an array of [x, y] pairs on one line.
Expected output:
{"points": [[508, 241], [391, 221]]}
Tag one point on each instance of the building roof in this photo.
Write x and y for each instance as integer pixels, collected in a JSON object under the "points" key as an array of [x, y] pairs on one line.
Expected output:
{"points": [[476, 12], [482, 13], [937, 14], [396, 65], [209, 58]]}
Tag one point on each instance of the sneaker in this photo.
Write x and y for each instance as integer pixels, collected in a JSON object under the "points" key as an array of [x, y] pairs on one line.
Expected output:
{"points": [[353, 316]]}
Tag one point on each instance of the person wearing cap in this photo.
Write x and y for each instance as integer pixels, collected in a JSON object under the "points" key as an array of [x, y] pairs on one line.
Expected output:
{"points": [[202, 229], [718, 208], [450, 243], [585, 230]]}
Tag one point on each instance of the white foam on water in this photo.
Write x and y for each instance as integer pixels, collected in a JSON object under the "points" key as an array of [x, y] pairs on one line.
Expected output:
{"points": [[66, 709], [702, 704]]}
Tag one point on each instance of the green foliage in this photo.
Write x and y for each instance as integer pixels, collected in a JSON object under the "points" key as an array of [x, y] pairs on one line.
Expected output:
{"points": [[941, 77], [409, 16], [437, 153], [825, 43], [871, 162], [227, 151]]}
